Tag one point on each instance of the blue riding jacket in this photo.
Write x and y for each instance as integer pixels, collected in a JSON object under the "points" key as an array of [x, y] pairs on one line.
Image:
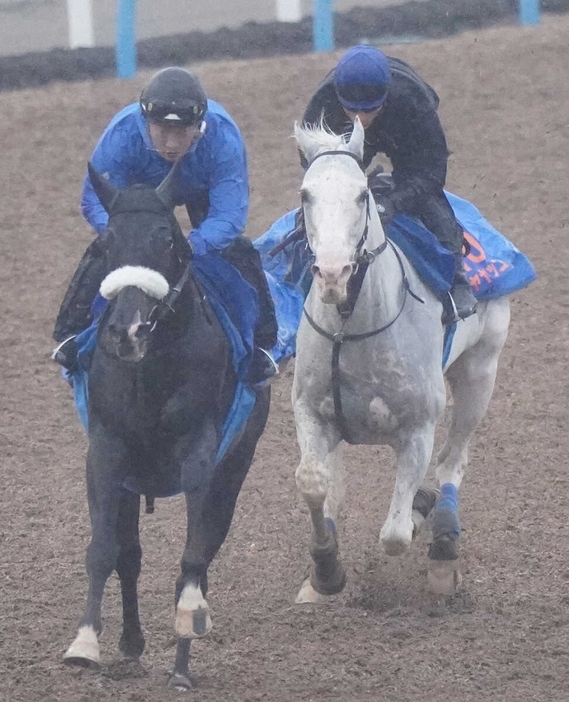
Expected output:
{"points": [[214, 168]]}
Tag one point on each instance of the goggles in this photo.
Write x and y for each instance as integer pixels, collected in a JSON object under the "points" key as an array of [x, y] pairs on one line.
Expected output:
{"points": [[361, 98], [184, 112]]}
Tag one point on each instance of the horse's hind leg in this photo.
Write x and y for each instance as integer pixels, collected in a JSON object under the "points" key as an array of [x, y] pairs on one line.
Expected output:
{"points": [[128, 568], [413, 456], [319, 481], [210, 500], [209, 520], [471, 378]]}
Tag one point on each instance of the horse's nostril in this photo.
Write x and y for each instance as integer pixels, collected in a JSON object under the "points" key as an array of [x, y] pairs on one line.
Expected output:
{"points": [[143, 330], [332, 274], [117, 332]]}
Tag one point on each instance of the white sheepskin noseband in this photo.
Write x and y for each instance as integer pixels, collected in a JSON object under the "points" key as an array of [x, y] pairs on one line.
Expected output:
{"points": [[149, 281]]}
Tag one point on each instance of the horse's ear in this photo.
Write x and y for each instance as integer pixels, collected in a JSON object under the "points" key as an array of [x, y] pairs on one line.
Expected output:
{"points": [[106, 192], [301, 139], [169, 188], [356, 143]]}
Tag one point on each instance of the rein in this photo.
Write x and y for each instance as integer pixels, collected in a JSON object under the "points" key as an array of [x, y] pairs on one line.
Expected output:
{"points": [[338, 339]]}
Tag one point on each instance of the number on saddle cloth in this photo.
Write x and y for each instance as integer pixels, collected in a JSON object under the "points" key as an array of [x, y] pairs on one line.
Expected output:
{"points": [[494, 266]]}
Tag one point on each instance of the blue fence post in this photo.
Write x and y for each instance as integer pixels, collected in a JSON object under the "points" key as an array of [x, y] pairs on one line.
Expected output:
{"points": [[323, 26], [529, 12], [126, 38]]}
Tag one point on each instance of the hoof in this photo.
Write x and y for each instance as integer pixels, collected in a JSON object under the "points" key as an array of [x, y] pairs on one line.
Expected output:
{"points": [[444, 577], [132, 647], [81, 661], [84, 651], [308, 595], [396, 536], [182, 683], [328, 583], [395, 547], [327, 575]]}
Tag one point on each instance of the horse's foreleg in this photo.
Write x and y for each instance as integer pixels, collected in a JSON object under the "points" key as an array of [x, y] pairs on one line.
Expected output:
{"points": [[319, 481], [84, 651], [413, 459], [103, 491], [128, 568]]}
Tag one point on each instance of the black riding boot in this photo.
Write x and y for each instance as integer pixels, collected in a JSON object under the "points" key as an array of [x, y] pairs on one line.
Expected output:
{"points": [[75, 311], [437, 215], [245, 257], [461, 302]]}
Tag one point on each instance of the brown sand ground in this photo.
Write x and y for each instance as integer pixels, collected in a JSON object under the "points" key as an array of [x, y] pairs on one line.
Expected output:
{"points": [[505, 637]]}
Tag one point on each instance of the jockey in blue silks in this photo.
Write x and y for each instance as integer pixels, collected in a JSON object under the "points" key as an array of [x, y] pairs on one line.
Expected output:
{"points": [[174, 120], [398, 111]]}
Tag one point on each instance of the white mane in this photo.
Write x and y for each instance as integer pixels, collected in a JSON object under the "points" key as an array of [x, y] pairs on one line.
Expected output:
{"points": [[314, 139]]}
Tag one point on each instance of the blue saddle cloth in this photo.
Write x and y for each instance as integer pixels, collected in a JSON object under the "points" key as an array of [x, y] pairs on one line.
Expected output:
{"points": [[494, 266], [234, 302]]}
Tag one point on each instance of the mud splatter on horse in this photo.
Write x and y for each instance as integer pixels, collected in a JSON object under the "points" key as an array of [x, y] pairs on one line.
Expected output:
{"points": [[370, 370]]}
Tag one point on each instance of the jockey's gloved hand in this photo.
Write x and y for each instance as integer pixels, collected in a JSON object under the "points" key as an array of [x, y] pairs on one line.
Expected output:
{"points": [[386, 210], [379, 182]]}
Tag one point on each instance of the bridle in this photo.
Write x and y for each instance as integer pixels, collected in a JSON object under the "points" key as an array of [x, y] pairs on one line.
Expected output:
{"points": [[165, 308], [366, 257], [339, 338]]}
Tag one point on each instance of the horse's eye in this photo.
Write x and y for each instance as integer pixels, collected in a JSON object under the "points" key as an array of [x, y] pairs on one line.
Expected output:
{"points": [[162, 237]]}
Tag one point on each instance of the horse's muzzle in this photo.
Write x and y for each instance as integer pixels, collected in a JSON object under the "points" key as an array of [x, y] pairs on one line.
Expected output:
{"points": [[130, 343], [332, 282]]}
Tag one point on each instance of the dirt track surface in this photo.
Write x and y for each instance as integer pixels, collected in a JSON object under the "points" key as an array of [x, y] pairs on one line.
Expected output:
{"points": [[505, 637]]}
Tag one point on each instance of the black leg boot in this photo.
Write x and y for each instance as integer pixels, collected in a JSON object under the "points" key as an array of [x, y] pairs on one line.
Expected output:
{"points": [[461, 302], [75, 312]]}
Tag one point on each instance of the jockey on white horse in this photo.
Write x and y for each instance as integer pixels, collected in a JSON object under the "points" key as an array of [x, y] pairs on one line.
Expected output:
{"points": [[398, 111]]}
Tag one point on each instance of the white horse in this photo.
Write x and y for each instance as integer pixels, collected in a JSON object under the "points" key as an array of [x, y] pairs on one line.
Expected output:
{"points": [[369, 369]]}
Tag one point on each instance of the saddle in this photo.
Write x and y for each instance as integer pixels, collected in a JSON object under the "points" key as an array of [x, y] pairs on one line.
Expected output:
{"points": [[493, 265]]}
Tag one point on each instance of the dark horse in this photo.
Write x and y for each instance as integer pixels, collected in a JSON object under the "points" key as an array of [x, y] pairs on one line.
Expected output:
{"points": [[160, 385]]}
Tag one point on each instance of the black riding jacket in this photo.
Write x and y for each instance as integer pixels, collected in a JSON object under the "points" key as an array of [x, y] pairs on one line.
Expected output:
{"points": [[407, 130]]}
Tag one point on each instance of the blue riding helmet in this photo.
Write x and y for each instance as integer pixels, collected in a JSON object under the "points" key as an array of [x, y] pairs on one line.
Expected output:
{"points": [[361, 78]]}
